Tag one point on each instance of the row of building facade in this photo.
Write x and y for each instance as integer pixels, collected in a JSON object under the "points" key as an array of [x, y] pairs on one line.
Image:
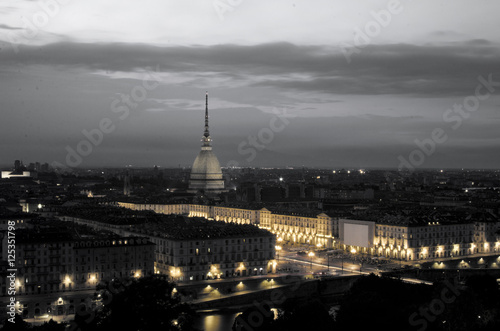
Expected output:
{"points": [[404, 240], [199, 253], [319, 230], [49, 264]]}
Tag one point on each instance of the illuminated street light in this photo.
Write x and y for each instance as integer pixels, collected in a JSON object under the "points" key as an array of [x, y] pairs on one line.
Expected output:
{"points": [[278, 249]]}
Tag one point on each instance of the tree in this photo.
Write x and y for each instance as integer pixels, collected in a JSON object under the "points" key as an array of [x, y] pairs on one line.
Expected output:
{"points": [[18, 325], [299, 315], [309, 313], [477, 306], [381, 303], [140, 304]]}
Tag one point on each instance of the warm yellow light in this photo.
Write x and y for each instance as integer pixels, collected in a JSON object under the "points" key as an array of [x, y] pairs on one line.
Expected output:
{"points": [[280, 239], [311, 254], [353, 251]]}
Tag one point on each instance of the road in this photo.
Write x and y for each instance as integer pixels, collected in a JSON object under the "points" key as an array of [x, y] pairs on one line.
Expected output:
{"points": [[345, 264]]}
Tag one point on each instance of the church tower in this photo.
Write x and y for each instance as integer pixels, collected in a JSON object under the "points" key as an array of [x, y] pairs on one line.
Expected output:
{"points": [[206, 174]]}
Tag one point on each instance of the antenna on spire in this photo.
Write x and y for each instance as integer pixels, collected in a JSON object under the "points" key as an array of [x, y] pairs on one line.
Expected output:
{"points": [[206, 134]]}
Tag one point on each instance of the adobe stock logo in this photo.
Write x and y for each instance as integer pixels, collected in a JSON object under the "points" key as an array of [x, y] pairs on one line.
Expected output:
{"points": [[436, 307], [470, 104], [32, 25], [221, 7], [254, 144], [121, 106], [363, 37]]}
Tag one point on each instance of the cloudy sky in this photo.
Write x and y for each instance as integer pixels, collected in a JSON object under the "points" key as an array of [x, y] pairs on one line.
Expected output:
{"points": [[292, 83]]}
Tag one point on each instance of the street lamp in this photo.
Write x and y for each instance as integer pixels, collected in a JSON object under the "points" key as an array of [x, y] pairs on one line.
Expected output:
{"points": [[278, 249], [353, 251], [311, 254]]}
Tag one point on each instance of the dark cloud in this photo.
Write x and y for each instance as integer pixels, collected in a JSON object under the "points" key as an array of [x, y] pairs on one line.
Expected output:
{"points": [[7, 27], [400, 69]]}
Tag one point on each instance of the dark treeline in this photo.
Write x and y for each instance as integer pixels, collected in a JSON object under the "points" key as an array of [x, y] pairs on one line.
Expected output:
{"points": [[372, 303]]}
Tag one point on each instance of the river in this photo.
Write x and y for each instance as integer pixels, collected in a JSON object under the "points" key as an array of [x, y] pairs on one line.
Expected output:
{"points": [[215, 321]]}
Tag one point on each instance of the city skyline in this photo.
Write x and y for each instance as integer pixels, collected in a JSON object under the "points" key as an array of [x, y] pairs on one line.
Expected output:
{"points": [[324, 84]]}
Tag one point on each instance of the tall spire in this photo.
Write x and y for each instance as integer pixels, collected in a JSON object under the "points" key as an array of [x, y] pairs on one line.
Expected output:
{"points": [[206, 135]]}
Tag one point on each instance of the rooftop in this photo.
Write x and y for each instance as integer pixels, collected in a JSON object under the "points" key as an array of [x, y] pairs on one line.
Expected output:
{"points": [[187, 228], [168, 226]]}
